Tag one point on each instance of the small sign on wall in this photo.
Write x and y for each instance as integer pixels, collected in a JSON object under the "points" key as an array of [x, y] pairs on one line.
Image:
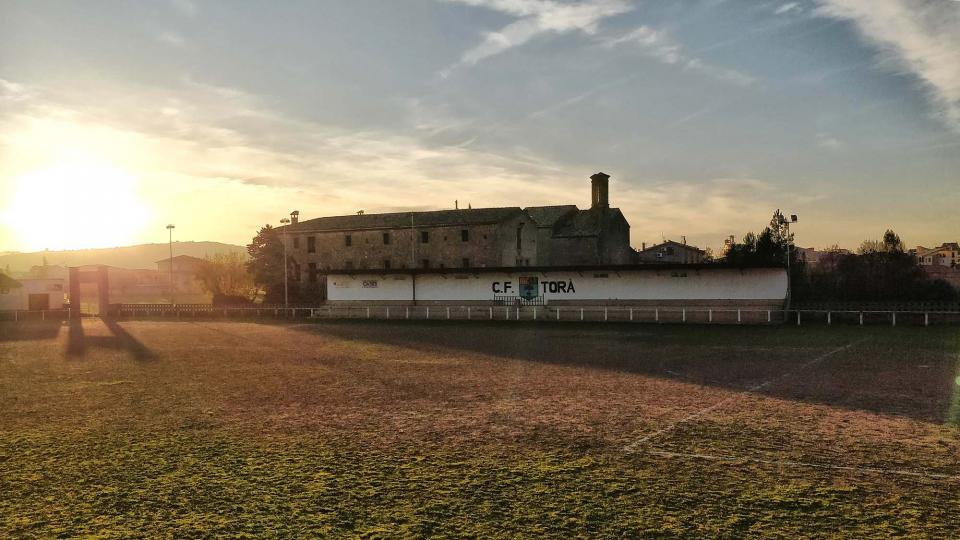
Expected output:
{"points": [[370, 284]]}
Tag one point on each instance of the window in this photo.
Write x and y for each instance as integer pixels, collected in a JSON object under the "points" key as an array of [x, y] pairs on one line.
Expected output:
{"points": [[311, 272], [347, 240], [670, 251], [311, 244], [465, 235], [424, 237], [386, 264], [465, 262], [386, 239], [296, 242], [349, 265], [519, 236], [425, 263], [442, 265]]}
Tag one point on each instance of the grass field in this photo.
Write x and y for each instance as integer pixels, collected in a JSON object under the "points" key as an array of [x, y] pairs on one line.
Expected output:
{"points": [[182, 429]]}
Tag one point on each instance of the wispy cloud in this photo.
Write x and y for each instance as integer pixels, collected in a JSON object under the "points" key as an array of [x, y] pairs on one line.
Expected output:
{"points": [[658, 44], [696, 209], [534, 18], [215, 136], [172, 38], [828, 141], [186, 7], [920, 37], [789, 7]]}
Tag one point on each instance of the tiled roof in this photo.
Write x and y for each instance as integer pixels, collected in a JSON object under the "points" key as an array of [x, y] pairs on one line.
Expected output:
{"points": [[586, 222], [547, 216], [654, 247], [397, 220]]}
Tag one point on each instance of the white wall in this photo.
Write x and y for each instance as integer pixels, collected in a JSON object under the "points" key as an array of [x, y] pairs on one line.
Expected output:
{"points": [[18, 298], [370, 288], [718, 284]]}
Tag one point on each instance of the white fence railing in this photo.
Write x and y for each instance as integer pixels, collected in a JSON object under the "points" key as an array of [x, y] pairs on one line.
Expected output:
{"points": [[662, 315], [17, 315]]}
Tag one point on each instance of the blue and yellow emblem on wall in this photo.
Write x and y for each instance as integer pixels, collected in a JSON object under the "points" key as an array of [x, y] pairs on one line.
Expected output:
{"points": [[529, 287]]}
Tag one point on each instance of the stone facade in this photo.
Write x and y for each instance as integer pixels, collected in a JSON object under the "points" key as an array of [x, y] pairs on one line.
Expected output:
{"points": [[462, 238]]}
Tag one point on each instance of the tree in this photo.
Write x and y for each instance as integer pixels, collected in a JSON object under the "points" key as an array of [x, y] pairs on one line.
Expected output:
{"points": [[892, 243], [266, 264], [881, 271], [225, 276], [767, 248]]}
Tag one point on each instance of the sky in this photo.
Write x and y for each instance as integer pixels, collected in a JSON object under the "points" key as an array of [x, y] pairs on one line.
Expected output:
{"points": [[118, 118]]}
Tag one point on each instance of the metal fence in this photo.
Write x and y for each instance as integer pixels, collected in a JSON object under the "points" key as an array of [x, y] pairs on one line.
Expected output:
{"points": [[17, 315], [661, 315]]}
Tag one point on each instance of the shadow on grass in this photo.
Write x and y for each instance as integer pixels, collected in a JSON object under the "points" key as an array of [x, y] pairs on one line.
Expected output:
{"points": [[908, 372], [29, 331], [78, 342]]}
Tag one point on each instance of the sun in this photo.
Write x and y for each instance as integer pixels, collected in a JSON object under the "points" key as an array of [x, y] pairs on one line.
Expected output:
{"points": [[73, 204]]}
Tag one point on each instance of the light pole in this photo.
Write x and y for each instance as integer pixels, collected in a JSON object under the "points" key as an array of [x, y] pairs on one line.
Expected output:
{"points": [[786, 224], [170, 229], [286, 294]]}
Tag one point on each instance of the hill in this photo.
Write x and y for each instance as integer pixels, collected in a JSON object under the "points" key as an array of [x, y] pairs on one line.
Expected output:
{"points": [[139, 256]]}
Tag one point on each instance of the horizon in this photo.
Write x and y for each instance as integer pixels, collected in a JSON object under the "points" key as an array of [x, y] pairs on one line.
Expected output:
{"points": [[708, 115]]}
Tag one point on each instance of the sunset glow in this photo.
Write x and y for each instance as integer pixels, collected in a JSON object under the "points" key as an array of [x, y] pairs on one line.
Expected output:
{"points": [[75, 204]]}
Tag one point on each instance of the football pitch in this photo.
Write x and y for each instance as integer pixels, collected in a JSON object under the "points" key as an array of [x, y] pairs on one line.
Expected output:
{"points": [[457, 429]]}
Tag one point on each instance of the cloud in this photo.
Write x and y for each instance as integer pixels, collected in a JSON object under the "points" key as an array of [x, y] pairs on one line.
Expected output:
{"points": [[222, 142], [703, 211], [919, 37], [825, 140], [789, 7], [536, 17], [172, 38], [659, 45], [221, 162], [186, 8]]}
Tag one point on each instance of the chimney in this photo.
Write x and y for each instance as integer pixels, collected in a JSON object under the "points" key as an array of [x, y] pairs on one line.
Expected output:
{"points": [[294, 217], [600, 191], [684, 237], [644, 248]]}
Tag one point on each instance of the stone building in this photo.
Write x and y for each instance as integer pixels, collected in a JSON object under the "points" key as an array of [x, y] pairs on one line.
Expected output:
{"points": [[463, 238]]}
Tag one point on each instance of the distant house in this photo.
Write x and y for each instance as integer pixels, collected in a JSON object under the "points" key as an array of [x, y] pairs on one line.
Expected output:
{"points": [[946, 254], [185, 269], [947, 273], [671, 252], [31, 293]]}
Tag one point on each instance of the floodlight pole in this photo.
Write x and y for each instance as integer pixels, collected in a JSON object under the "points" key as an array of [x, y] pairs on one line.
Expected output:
{"points": [[286, 293], [170, 228], [786, 223]]}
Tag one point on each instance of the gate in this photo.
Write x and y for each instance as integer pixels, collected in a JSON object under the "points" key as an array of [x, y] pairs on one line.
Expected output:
{"points": [[81, 279]]}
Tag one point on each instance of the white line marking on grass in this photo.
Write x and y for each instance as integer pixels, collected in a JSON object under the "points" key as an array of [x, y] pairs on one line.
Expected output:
{"points": [[788, 463], [633, 446]]}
